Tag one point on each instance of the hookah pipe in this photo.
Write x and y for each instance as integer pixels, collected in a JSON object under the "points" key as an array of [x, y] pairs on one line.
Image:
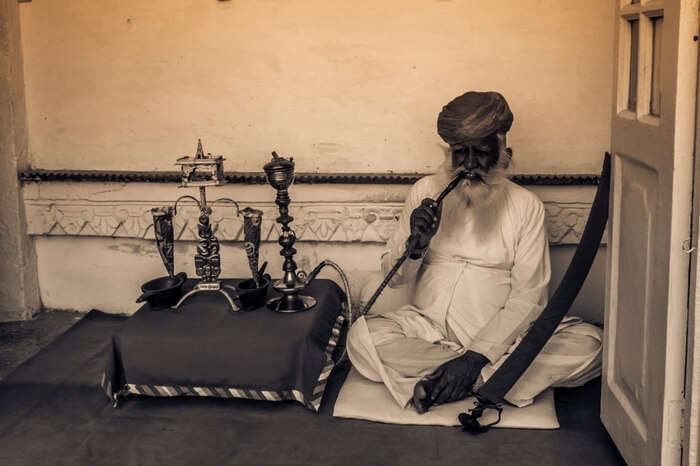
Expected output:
{"points": [[346, 287], [409, 245], [280, 174], [411, 242]]}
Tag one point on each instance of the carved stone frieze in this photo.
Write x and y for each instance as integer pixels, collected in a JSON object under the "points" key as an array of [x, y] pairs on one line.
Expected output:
{"points": [[313, 221], [566, 221]]}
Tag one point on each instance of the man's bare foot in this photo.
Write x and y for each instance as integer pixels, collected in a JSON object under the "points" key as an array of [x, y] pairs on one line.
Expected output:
{"points": [[421, 395]]}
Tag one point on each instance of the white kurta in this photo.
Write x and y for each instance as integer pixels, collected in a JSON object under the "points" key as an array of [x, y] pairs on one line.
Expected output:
{"points": [[478, 288], [486, 286]]}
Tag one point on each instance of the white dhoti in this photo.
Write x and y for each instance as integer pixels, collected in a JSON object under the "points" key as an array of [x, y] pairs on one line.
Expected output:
{"points": [[391, 348]]}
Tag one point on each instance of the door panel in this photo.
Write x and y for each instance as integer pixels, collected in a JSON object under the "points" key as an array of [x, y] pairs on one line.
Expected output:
{"points": [[634, 219], [650, 201]]}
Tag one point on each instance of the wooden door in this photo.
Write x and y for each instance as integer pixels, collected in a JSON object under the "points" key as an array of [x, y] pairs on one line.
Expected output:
{"points": [[648, 275]]}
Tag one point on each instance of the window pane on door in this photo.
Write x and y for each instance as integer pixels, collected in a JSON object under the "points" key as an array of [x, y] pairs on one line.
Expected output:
{"points": [[657, 27], [634, 49]]}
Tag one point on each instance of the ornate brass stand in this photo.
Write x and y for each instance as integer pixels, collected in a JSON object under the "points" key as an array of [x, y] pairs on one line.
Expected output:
{"points": [[203, 171]]}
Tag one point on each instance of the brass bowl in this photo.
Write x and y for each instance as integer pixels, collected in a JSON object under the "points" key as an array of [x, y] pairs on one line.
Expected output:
{"points": [[280, 172]]}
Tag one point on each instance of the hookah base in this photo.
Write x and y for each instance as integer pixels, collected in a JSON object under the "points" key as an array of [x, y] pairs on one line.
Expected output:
{"points": [[291, 303]]}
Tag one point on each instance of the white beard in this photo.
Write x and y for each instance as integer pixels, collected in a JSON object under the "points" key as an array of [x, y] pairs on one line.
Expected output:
{"points": [[478, 193], [480, 201], [475, 193]]}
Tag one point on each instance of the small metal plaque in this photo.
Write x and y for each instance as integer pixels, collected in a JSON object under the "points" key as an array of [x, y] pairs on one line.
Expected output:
{"points": [[208, 286]]}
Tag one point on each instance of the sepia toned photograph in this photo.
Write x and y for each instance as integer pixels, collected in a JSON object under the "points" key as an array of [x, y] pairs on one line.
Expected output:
{"points": [[333, 232]]}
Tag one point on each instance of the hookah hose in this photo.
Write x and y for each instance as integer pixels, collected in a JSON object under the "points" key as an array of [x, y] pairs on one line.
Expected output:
{"points": [[348, 307], [346, 285], [409, 245]]}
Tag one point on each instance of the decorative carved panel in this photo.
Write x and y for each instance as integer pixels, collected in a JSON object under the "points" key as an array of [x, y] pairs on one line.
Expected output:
{"points": [[313, 221]]}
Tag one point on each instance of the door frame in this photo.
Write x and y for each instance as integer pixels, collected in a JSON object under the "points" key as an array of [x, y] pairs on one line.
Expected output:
{"points": [[690, 432]]}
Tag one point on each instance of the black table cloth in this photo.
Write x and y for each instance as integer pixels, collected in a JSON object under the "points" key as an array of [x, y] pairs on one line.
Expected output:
{"points": [[205, 349]]}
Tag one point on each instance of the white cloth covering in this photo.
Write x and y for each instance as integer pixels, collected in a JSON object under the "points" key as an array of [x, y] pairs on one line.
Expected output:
{"points": [[382, 352]]}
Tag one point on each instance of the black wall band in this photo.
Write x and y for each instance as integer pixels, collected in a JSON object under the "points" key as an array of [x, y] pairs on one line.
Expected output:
{"points": [[303, 178]]}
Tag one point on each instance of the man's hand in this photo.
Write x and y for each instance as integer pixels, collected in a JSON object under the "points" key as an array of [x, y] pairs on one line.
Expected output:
{"points": [[452, 381], [425, 220]]}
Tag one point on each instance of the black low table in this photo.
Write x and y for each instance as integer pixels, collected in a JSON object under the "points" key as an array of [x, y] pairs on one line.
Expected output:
{"points": [[204, 348]]}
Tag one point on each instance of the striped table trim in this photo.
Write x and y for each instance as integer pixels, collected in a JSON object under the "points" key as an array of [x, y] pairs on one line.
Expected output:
{"points": [[314, 403]]}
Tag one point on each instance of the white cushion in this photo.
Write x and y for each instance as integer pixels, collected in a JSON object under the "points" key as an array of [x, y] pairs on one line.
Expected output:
{"points": [[361, 398]]}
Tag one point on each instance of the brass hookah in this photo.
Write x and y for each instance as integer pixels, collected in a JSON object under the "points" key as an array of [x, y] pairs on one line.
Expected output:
{"points": [[280, 175]]}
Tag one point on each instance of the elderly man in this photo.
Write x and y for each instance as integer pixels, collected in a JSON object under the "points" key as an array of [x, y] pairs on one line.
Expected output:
{"points": [[479, 269]]}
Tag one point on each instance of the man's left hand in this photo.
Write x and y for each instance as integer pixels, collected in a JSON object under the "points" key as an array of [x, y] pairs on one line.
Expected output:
{"points": [[454, 379]]}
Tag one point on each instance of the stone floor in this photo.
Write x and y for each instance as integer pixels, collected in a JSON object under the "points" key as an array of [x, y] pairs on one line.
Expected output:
{"points": [[20, 340]]}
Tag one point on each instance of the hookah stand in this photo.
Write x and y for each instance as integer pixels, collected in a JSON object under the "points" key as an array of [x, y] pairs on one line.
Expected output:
{"points": [[280, 174], [207, 260]]}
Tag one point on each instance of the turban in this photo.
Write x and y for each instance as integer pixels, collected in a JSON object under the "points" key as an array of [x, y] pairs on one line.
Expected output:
{"points": [[474, 115]]}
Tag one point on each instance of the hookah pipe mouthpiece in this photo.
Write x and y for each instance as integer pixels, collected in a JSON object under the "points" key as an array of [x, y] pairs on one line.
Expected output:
{"points": [[453, 184], [462, 174], [411, 242]]}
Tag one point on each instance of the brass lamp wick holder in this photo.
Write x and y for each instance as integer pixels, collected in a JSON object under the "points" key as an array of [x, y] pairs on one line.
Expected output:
{"points": [[280, 175]]}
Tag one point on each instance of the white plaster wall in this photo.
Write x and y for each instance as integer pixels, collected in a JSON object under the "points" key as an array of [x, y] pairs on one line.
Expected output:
{"points": [[19, 295], [341, 85], [106, 273]]}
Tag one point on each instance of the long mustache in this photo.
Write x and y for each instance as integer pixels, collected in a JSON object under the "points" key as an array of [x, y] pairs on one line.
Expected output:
{"points": [[493, 176], [490, 176]]}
